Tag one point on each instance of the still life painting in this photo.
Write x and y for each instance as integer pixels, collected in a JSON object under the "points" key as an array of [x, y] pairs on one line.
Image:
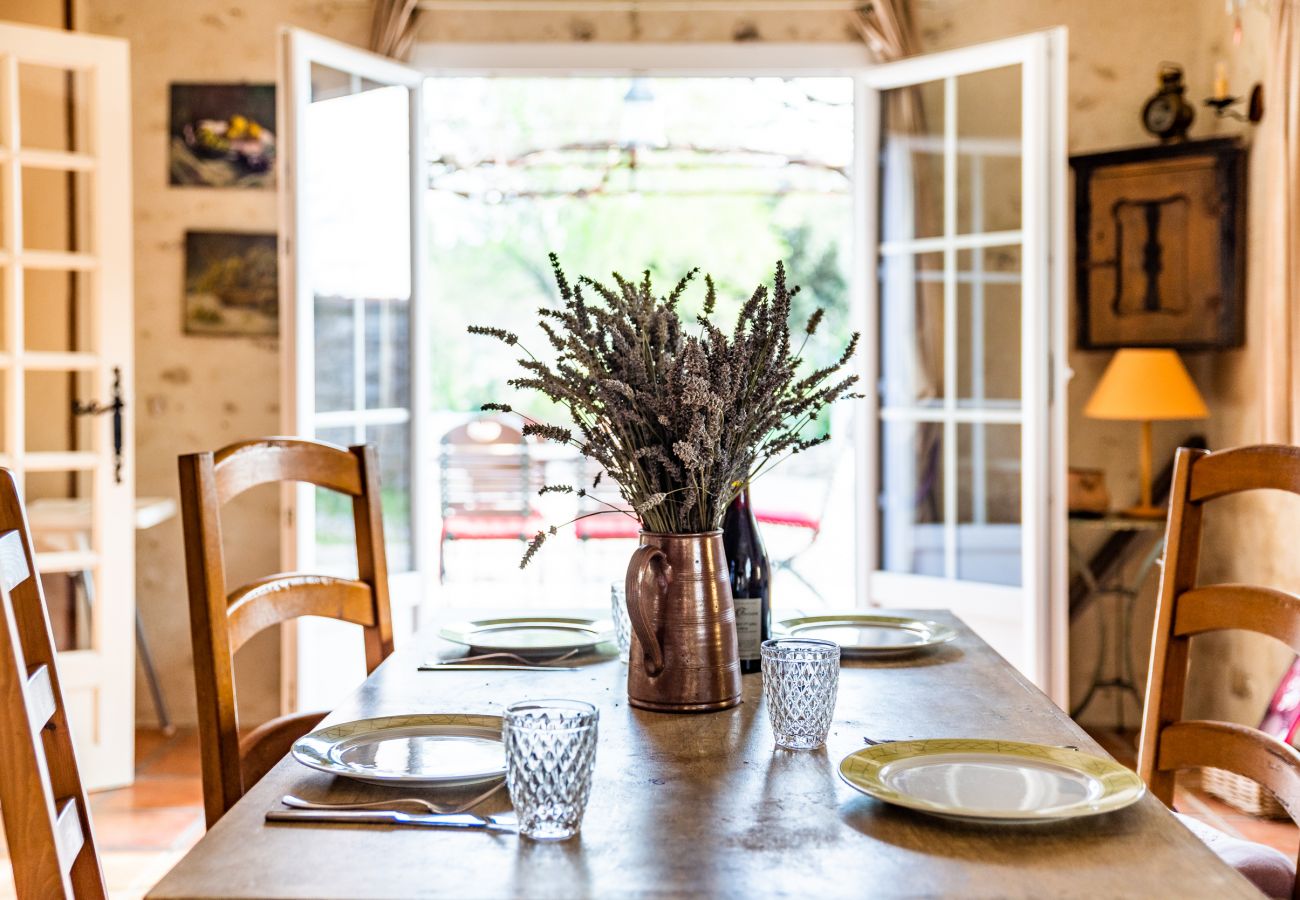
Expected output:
{"points": [[231, 284], [222, 135]]}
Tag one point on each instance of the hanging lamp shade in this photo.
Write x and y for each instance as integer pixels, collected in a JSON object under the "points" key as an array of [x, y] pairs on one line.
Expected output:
{"points": [[1144, 386]]}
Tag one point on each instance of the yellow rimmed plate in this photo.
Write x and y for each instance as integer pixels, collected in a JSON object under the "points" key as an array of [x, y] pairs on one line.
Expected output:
{"points": [[866, 635], [420, 750], [530, 634], [991, 781]]}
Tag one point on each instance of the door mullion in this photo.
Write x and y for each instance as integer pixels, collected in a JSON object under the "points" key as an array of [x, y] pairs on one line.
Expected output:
{"points": [[949, 328], [15, 386]]}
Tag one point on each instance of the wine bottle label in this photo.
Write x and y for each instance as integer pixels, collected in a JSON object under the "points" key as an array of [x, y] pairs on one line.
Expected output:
{"points": [[749, 626]]}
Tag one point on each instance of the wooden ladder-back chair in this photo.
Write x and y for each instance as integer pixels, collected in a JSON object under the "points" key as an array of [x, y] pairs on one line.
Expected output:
{"points": [[222, 620], [47, 821], [1185, 609]]}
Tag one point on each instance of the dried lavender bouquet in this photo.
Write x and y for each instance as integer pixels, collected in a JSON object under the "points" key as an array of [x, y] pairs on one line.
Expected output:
{"points": [[682, 416]]}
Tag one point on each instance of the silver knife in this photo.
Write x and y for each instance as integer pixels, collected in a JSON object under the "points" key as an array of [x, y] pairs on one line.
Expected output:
{"points": [[392, 817]]}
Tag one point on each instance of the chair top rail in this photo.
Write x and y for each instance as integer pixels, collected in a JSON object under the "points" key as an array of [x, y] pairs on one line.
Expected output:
{"points": [[248, 464], [1225, 472]]}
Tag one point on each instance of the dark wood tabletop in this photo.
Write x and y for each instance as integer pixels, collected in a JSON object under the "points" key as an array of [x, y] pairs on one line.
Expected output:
{"points": [[705, 805]]}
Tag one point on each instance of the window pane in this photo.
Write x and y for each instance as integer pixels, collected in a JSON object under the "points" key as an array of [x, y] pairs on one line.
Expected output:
{"points": [[988, 147], [912, 330], [336, 541], [912, 497], [388, 353], [335, 326], [988, 503], [911, 162], [57, 312], [393, 445], [988, 327]]}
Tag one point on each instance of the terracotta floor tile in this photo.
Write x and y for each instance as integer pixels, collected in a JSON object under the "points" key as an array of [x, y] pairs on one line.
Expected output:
{"points": [[151, 792], [147, 740], [178, 755]]}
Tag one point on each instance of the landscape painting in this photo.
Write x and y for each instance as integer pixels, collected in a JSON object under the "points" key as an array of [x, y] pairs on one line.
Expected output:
{"points": [[231, 284]]}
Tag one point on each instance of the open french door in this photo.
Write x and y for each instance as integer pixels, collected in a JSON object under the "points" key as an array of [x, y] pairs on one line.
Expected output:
{"points": [[68, 309], [352, 326], [964, 218]]}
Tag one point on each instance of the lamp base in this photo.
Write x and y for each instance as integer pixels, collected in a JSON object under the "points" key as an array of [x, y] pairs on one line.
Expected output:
{"points": [[1145, 512]]}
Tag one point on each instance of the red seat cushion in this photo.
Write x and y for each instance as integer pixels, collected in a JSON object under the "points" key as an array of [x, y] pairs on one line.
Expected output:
{"points": [[787, 517], [490, 527], [607, 526]]}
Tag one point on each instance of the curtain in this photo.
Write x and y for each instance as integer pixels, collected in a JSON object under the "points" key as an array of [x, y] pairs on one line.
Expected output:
{"points": [[393, 26], [1280, 140]]}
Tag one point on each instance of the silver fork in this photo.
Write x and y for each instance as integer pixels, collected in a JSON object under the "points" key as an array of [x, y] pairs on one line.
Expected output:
{"points": [[437, 808]]}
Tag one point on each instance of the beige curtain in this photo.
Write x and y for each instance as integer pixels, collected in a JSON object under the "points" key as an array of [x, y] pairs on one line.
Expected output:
{"points": [[886, 27], [393, 26], [1280, 141]]}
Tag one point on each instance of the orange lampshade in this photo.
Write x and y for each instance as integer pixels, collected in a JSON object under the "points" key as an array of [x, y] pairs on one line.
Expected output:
{"points": [[1146, 385]]}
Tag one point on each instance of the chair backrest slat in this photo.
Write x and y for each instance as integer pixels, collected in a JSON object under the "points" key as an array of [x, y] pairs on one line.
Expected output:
{"points": [[221, 621], [1220, 607], [40, 697], [295, 596], [1185, 609], [46, 818]]}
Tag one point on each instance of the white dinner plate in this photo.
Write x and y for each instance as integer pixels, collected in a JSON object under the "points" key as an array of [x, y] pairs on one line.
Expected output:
{"points": [[863, 634], [417, 750], [983, 781], [530, 634]]}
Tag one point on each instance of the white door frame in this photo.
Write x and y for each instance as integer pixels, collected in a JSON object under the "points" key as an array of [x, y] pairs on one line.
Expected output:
{"points": [[1039, 605], [98, 681], [299, 49], [1047, 440]]}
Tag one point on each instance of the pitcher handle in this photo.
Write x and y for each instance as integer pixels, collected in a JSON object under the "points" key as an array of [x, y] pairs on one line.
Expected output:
{"points": [[641, 579]]}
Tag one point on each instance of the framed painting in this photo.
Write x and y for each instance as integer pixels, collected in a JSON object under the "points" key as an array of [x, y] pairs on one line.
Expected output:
{"points": [[222, 136], [231, 284], [1159, 246]]}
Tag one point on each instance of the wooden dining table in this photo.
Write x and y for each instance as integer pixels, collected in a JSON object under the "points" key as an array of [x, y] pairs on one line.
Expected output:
{"points": [[707, 805]]}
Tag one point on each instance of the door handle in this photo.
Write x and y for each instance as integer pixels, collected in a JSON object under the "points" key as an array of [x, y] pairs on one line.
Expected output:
{"points": [[115, 406]]}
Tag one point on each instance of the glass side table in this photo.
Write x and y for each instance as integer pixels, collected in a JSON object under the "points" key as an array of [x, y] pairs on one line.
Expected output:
{"points": [[1115, 631]]}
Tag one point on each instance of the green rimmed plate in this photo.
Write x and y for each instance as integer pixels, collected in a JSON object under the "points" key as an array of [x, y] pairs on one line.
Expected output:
{"points": [[530, 634], [417, 750], [991, 781], [866, 635]]}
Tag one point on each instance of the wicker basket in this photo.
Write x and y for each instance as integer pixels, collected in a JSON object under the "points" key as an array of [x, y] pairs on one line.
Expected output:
{"points": [[1242, 793]]}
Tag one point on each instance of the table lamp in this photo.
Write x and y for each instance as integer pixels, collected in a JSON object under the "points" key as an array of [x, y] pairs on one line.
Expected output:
{"points": [[1142, 386]]}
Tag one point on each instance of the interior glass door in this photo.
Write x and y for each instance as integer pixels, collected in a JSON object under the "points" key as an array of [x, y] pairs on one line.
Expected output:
{"points": [[65, 364], [966, 308], [352, 258]]}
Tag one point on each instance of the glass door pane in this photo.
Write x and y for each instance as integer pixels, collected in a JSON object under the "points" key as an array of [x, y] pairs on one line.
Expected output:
{"points": [[357, 196], [950, 299]]}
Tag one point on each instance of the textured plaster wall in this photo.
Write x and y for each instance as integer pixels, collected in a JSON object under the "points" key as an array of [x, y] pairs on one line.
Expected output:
{"points": [[196, 393], [204, 392]]}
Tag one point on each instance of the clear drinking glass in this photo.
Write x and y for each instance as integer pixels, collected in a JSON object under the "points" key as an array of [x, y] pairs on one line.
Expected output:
{"points": [[622, 624], [550, 752], [801, 677]]}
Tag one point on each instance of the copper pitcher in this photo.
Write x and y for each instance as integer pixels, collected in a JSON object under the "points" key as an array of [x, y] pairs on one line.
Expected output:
{"points": [[683, 656]]}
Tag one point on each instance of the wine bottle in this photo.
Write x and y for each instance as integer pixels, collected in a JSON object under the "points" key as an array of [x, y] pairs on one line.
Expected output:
{"points": [[751, 580]]}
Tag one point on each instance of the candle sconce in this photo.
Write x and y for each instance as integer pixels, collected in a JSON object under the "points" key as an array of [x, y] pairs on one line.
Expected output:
{"points": [[1224, 106]]}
